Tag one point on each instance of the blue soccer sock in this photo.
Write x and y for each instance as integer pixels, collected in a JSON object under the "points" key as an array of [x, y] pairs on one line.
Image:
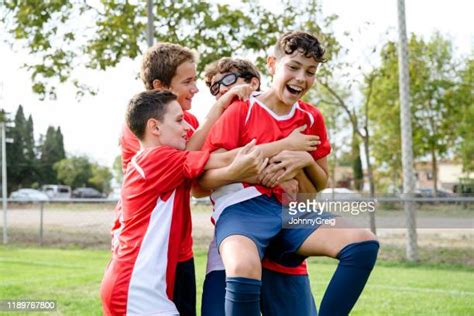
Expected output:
{"points": [[355, 264], [213, 294], [242, 296]]}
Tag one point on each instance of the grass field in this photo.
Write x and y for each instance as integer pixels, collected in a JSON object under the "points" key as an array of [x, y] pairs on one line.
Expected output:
{"points": [[72, 278]]}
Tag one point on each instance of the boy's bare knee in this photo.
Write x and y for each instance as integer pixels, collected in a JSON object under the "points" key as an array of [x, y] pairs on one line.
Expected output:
{"points": [[245, 268], [364, 235], [240, 257]]}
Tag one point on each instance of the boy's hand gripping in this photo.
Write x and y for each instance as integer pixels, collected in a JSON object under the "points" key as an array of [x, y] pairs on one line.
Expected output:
{"points": [[298, 141], [284, 166], [248, 162], [241, 91]]}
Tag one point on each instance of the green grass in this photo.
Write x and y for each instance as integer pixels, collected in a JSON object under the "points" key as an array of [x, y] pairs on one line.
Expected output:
{"points": [[72, 277]]}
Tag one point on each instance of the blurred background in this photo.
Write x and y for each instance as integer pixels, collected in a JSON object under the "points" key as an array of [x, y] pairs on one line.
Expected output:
{"points": [[68, 69]]}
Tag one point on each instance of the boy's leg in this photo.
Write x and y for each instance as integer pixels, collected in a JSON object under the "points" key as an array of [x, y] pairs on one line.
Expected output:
{"points": [[243, 269], [284, 294], [213, 294], [243, 232], [185, 288], [356, 250]]}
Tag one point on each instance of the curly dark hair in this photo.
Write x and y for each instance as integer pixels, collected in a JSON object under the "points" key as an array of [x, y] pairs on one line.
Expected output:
{"points": [[303, 42], [228, 64]]}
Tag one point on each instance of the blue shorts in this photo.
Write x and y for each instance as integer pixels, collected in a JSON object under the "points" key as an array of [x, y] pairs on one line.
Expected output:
{"points": [[260, 219]]}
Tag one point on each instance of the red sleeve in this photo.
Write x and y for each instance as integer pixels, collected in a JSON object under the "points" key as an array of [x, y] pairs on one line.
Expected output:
{"points": [[168, 167], [319, 128], [129, 145], [225, 133]]}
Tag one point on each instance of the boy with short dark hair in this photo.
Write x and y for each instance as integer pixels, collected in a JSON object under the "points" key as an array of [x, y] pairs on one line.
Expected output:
{"points": [[249, 217], [140, 277]]}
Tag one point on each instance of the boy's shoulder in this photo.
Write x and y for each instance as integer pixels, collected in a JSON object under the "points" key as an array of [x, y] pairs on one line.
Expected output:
{"points": [[315, 114], [237, 109], [155, 155], [309, 108]]}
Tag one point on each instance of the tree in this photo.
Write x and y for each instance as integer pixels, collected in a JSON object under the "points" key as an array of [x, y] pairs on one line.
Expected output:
{"points": [[432, 72], [22, 170], [16, 161], [52, 151], [100, 179], [56, 35], [117, 169], [74, 171], [464, 116]]}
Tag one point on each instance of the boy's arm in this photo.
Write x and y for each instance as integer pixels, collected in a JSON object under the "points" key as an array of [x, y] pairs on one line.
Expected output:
{"points": [[215, 178], [240, 92], [305, 186], [318, 173], [293, 161], [197, 139]]}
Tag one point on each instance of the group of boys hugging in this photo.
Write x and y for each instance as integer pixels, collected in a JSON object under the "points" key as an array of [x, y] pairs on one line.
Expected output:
{"points": [[252, 148]]}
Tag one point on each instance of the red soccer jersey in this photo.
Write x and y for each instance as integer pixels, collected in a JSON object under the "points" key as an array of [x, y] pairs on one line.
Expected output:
{"points": [[140, 277], [244, 121], [130, 146]]}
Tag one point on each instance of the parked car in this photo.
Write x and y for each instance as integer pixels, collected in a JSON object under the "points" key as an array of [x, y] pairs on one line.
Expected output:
{"points": [[429, 193], [339, 194], [57, 191], [87, 193], [28, 195]]}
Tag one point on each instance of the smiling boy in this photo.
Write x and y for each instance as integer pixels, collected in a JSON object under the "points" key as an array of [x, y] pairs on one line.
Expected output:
{"points": [[249, 220], [283, 288]]}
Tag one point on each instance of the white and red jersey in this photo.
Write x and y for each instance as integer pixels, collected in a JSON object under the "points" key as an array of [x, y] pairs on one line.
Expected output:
{"points": [[247, 120], [130, 146], [140, 277]]}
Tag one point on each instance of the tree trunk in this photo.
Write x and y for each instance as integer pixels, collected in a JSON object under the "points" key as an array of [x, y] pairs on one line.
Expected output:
{"points": [[434, 172], [370, 175]]}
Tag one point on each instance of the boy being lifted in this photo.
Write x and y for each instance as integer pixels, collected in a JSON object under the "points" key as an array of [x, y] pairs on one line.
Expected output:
{"points": [[248, 217]]}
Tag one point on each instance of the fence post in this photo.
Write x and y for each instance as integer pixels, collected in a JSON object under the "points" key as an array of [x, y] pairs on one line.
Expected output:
{"points": [[41, 224]]}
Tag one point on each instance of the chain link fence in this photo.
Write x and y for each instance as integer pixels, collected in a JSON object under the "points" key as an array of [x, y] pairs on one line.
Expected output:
{"points": [[445, 226]]}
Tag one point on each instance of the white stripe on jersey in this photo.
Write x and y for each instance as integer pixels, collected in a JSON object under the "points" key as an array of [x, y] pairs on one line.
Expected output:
{"points": [[147, 289], [311, 118], [295, 106], [135, 164], [273, 114]]}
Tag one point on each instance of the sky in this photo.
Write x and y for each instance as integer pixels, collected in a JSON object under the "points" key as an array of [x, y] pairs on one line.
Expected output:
{"points": [[92, 126]]}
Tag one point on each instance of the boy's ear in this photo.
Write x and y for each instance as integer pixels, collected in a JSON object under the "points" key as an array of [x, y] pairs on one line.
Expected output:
{"points": [[271, 64], [153, 126], [255, 83], [158, 85]]}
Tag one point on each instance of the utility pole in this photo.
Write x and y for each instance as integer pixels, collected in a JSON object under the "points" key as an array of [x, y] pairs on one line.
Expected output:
{"points": [[407, 141], [150, 29], [4, 182]]}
